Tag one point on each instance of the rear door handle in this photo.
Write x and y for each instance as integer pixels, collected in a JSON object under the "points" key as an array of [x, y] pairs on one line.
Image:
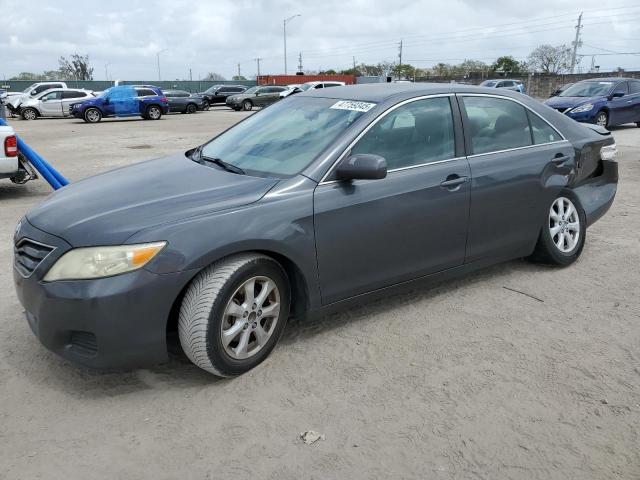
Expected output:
{"points": [[560, 159], [453, 181]]}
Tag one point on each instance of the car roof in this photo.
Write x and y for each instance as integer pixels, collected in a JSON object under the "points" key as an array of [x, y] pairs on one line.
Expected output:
{"points": [[379, 92], [606, 79]]}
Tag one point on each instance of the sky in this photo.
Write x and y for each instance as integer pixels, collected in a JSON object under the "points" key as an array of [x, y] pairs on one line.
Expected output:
{"points": [[124, 38]]}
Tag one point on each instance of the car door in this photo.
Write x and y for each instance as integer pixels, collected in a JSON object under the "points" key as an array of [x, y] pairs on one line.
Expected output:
{"points": [[518, 164], [374, 233], [69, 97], [51, 104], [619, 111], [634, 97], [260, 97]]}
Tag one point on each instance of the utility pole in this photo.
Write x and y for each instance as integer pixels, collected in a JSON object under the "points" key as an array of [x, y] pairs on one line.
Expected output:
{"points": [[258, 64], [158, 60], [300, 62], [106, 71], [239, 75], [400, 54], [284, 32], [576, 43], [354, 63]]}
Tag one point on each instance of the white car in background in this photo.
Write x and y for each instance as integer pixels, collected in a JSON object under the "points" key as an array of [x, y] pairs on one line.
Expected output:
{"points": [[15, 99], [289, 90], [52, 103], [313, 85]]}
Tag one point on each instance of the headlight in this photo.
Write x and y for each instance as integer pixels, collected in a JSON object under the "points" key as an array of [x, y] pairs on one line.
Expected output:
{"points": [[97, 262], [609, 152], [583, 108]]}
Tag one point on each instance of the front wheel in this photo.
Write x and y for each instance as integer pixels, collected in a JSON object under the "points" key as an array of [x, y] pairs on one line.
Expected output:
{"points": [[92, 115], [247, 105], [233, 313], [602, 119], [29, 113], [563, 235], [154, 113]]}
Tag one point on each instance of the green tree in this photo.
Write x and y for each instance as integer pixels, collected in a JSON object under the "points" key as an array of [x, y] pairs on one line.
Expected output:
{"points": [[403, 71], [507, 64], [238, 78], [213, 77]]}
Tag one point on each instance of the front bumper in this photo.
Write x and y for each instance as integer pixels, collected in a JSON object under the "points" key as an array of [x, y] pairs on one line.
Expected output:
{"points": [[114, 322], [585, 117]]}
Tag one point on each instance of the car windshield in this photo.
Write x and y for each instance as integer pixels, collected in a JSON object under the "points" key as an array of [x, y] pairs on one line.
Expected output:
{"points": [[212, 89], [105, 93], [251, 90], [304, 87], [29, 88], [283, 139], [488, 83], [588, 89]]}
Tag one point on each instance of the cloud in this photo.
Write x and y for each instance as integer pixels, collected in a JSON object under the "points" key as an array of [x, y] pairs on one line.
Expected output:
{"points": [[215, 36]]}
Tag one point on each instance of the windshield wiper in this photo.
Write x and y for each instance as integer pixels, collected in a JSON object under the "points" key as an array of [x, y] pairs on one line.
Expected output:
{"points": [[221, 163]]}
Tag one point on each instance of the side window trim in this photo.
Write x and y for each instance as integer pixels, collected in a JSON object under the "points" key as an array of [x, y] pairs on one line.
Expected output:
{"points": [[467, 139], [344, 153]]}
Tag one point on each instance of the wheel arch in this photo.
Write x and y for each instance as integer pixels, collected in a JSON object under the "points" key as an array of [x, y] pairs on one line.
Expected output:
{"points": [[297, 283]]}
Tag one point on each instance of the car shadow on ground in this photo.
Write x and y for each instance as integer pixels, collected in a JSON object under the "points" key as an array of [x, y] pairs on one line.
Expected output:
{"points": [[179, 373]]}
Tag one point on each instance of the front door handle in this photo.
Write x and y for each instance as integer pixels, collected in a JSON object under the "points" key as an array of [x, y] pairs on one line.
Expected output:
{"points": [[560, 159], [453, 182]]}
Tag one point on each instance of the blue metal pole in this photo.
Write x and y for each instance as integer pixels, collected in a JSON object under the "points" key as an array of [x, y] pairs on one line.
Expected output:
{"points": [[50, 174]]}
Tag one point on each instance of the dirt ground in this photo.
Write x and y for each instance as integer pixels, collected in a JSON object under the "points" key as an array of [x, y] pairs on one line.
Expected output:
{"points": [[468, 380]]}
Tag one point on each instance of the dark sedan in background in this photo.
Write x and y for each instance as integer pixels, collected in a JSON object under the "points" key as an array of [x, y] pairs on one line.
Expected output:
{"points": [[259, 96], [185, 102], [326, 199], [604, 101], [219, 93]]}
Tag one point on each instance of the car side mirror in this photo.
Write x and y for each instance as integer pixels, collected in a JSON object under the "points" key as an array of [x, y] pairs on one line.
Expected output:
{"points": [[33, 92], [362, 166], [106, 101], [617, 94]]}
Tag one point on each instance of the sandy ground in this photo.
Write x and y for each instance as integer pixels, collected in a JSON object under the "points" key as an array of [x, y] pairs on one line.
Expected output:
{"points": [[468, 380]]}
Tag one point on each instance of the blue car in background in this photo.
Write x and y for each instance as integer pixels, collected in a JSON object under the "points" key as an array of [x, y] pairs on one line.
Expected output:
{"points": [[603, 101], [123, 101]]}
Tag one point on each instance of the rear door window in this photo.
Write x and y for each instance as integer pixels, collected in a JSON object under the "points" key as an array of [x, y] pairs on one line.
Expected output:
{"points": [[73, 94], [634, 87], [496, 124], [145, 92]]}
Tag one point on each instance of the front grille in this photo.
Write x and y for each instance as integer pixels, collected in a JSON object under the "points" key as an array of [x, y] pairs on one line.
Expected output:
{"points": [[84, 343], [27, 255]]}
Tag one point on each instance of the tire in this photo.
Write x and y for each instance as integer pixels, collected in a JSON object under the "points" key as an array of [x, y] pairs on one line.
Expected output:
{"points": [[153, 112], [29, 114], [92, 115], [548, 250], [247, 105], [220, 289], [638, 124], [191, 108], [602, 119], [205, 106]]}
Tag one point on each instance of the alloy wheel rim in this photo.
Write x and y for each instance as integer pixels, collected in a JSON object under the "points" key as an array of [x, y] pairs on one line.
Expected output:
{"points": [[250, 317], [30, 115], [92, 115], [154, 113], [602, 120], [564, 225]]}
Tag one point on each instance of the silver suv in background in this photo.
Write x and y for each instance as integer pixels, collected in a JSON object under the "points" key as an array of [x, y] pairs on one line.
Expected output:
{"points": [[52, 103], [15, 99], [515, 85]]}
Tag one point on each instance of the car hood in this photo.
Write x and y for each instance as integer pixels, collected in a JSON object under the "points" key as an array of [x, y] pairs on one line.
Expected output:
{"points": [[570, 102], [16, 100], [108, 208]]}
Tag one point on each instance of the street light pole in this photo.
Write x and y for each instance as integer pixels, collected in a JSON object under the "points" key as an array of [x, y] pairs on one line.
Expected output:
{"points": [[284, 31], [158, 59]]}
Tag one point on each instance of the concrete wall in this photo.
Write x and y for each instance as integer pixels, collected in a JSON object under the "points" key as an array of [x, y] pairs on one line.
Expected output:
{"points": [[537, 85], [99, 85]]}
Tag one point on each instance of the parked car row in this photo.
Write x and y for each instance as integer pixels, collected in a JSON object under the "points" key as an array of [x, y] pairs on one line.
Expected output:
{"points": [[260, 96]]}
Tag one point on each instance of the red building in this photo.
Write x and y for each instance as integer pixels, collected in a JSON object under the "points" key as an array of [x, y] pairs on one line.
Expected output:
{"points": [[290, 79]]}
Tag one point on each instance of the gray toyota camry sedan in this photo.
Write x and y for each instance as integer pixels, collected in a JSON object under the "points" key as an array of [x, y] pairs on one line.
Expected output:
{"points": [[323, 200]]}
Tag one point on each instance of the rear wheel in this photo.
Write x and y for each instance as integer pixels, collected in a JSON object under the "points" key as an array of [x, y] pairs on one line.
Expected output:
{"points": [[602, 119], [233, 313], [29, 113], [562, 237], [192, 108], [247, 105], [153, 112], [92, 115]]}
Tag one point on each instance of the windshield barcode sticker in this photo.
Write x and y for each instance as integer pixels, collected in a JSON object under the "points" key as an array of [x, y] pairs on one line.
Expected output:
{"points": [[353, 105]]}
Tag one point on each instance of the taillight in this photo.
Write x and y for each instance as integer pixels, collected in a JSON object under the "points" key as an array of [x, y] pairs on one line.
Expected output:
{"points": [[164, 100], [11, 146]]}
